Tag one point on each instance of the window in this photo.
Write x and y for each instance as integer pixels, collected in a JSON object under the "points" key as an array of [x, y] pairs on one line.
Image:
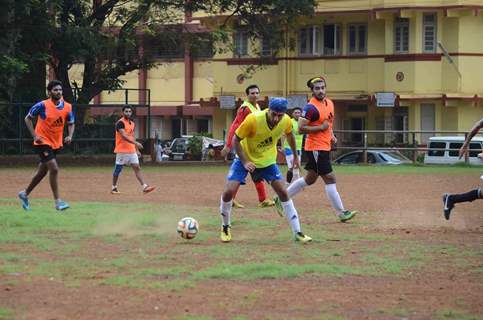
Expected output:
{"points": [[429, 32], [478, 148], [307, 37], [241, 43], [357, 39], [436, 145], [332, 40], [351, 158], [320, 40], [401, 35], [266, 50], [455, 153]]}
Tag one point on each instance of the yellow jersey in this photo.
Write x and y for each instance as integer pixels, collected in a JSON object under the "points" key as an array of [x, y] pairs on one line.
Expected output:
{"points": [[258, 141]]}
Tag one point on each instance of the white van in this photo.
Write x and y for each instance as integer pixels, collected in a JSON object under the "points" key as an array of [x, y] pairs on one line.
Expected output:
{"points": [[451, 157]]}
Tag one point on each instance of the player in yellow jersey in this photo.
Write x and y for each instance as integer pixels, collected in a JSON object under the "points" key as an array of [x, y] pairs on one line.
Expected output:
{"points": [[255, 143]]}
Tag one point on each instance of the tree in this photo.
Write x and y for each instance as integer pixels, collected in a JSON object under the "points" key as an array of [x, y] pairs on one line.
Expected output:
{"points": [[106, 37]]}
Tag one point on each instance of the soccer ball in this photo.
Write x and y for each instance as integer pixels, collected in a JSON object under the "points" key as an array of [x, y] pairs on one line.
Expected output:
{"points": [[188, 228]]}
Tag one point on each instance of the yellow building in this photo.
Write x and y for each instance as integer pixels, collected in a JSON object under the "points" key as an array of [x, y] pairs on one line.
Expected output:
{"points": [[362, 48]]}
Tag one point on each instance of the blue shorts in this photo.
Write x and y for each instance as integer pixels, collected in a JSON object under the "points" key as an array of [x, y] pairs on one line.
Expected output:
{"points": [[239, 173], [288, 152]]}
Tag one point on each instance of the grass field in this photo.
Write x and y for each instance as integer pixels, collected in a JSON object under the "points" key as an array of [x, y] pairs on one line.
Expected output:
{"points": [[112, 259]]}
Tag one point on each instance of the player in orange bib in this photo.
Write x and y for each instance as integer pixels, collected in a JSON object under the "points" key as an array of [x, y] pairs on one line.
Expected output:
{"points": [[127, 150], [51, 116], [316, 122]]}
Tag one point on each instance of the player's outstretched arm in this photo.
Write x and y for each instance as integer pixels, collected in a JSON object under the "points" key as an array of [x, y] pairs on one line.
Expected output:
{"points": [[476, 128]]}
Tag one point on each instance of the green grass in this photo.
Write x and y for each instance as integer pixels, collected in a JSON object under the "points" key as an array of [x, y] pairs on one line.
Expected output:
{"points": [[343, 169], [450, 314], [6, 313]]}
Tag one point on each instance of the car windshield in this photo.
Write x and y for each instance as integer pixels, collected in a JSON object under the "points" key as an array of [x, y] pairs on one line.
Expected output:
{"points": [[392, 156]]}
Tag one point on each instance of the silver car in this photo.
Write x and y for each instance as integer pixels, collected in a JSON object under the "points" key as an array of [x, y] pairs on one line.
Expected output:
{"points": [[373, 157]]}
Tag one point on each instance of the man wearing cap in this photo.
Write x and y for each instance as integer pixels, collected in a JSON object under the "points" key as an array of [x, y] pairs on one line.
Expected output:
{"points": [[255, 143], [316, 122]]}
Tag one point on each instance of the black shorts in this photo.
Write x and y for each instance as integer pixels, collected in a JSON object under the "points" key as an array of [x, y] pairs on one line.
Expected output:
{"points": [[45, 152], [318, 161]]}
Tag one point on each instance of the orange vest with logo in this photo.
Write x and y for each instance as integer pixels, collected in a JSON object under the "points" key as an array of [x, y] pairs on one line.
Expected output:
{"points": [[321, 140], [122, 146], [51, 128]]}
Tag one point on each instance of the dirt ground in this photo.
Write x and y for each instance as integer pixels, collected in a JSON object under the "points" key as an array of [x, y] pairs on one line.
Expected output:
{"points": [[409, 206]]}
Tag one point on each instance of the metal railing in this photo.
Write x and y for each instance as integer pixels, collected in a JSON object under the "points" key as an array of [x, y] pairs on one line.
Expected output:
{"points": [[414, 147]]}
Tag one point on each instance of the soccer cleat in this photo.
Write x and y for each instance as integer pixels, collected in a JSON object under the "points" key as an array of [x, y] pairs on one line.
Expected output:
{"points": [[61, 205], [148, 189], [300, 237], [115, 191], [347, 215], [225, 234], [278, 206], [266, 203], [448, 205], [237, 204], [25, 200]]}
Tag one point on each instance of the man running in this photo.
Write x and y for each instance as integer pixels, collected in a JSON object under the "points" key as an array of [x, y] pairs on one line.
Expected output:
{"points": [[255, 142], [249, 106], [316, 122], [51, 114]]}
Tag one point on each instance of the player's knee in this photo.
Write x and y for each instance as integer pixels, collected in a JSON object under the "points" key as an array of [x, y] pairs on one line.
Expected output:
{"points": [[227, 195], [117, 170], [283, 195]]}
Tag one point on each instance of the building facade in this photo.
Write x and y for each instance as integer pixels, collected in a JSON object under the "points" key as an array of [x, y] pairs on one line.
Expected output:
{"points": [[425, 55]]}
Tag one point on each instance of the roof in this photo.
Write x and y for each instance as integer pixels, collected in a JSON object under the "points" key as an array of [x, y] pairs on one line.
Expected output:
{"points": [[456, 139]]}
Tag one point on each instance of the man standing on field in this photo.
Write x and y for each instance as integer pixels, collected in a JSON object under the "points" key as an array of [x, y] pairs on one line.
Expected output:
{"points": [[127, 150]]}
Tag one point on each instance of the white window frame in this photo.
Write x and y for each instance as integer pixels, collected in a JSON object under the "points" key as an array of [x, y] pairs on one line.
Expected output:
{"points": [[401, 28], [337, 40], [240, 40], [357, 27], [311, 32], [315, 40], [430, 28]]}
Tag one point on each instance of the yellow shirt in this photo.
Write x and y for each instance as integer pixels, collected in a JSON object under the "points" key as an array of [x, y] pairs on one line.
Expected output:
{"points": [[259, 142]]}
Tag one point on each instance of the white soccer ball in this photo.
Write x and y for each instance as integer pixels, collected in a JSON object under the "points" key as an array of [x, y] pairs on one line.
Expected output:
{"points": [[188, 228]]}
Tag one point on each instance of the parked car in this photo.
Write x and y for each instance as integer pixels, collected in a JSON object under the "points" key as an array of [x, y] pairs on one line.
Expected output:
{"points": [[373, 157], [179, 149], [436, 156]]}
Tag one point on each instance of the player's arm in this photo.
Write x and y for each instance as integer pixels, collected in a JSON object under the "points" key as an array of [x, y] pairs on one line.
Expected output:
{"points": [[246, 129], [293, 146], [70, 128], [311, 114], [305, 128], [476, 128], [128, 139], [240, 116], [33, 112]]}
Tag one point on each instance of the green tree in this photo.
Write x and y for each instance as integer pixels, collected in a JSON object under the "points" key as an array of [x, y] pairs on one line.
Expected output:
{"points": [[106, 36]]}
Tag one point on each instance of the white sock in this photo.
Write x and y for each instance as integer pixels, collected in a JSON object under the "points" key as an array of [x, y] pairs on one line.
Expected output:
{"points": [[225, 211], [291, 215], [296, 174], [114, 187], [296, 187], [144, 186], [334, 198]]}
